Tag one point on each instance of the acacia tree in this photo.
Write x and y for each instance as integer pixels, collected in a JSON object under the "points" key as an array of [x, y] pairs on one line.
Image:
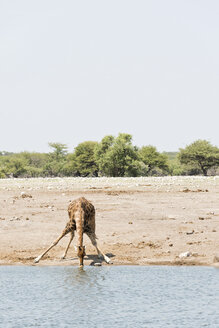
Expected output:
{"points": [[153, 159], [83, 160], [201, 154], [117, 157], [56, 159], [59, 150]]}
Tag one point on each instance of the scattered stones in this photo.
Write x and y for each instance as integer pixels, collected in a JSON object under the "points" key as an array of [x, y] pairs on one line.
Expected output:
{"points": [[171, 217], [98, 264], [190, 232], [141, 244], [152, 245], [216, 259], [204, 218], [25, 195], [112, 193], [198, 190], [185, 254], [186, 190], [194, 243], [15, 218], [195, 254]]}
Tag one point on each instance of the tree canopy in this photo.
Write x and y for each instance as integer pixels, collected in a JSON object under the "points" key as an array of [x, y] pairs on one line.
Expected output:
{"points": [[201, 154], [112, 156], [153, 159], [117, 157], [83, 160]]}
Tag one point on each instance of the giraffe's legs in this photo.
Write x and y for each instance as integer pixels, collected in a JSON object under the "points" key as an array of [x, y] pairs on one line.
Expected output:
{"points": [[93, 239], [71, 238], [37, 259]]}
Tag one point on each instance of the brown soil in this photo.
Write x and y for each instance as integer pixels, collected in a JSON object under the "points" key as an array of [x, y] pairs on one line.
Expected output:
{"points": [[138, 220]]}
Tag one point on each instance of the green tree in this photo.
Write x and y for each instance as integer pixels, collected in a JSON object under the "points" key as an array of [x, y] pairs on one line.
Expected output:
{"points": [[56, 159], [59, 150], [117, 157], [14, 166], [2, 175], [200, 154], [23, 164], [153, 159], [83, 159], [35, 163]]}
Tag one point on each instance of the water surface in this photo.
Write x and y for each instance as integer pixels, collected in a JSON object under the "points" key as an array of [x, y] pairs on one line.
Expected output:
{"points": [[120, 296]]}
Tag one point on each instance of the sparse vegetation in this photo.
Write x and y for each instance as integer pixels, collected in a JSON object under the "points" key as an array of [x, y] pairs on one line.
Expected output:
{"points": [[113, 156]]}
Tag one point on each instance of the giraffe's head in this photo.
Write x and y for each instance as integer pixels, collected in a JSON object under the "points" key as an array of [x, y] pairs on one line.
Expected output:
{"points": [[81, 254]]}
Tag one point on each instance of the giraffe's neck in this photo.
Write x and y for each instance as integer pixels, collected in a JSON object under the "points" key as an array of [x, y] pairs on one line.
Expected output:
{"points": [[79, 227]]}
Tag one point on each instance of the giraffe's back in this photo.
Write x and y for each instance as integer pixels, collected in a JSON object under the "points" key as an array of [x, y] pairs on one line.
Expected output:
{"points": [[89, 214]]}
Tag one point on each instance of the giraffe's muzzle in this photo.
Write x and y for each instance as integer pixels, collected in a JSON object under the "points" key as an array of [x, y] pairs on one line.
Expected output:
{"points": [[81, 254]]}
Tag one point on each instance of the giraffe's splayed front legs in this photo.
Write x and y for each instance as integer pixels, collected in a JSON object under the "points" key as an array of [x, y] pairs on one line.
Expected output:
{"points": [[99, 252], [37, 259], [81, 218], [66, 251]]}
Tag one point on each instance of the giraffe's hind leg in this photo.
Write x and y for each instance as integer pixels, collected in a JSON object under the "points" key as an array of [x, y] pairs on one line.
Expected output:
{"points": [[93, 240], [65, 231], [71, 238]]}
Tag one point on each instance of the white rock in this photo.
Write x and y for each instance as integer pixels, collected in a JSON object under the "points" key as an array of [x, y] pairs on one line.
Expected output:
{"points": [[186, 254], [97, 264]]}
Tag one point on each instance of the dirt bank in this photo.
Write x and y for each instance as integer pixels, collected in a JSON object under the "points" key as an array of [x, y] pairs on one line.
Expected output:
{"points": [[139, 220]]}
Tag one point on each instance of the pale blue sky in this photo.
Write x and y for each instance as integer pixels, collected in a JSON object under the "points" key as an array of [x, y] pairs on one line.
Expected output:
{"points": [[72, 71]]}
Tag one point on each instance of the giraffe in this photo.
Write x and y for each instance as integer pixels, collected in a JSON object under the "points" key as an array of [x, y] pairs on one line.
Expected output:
{"points": [[82, 220]]}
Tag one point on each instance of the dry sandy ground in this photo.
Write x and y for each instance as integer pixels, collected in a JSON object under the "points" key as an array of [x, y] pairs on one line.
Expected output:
{"points": [[138, 220]]}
